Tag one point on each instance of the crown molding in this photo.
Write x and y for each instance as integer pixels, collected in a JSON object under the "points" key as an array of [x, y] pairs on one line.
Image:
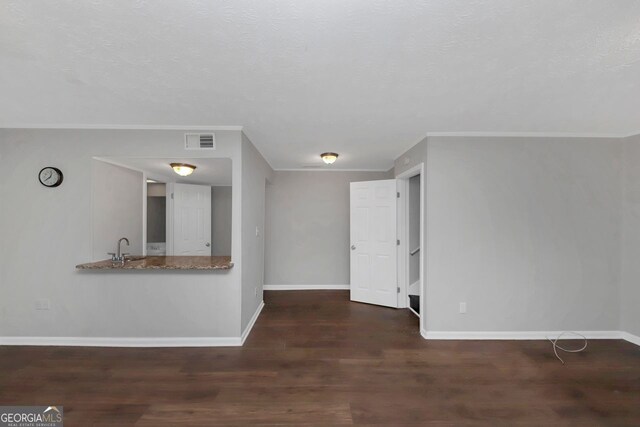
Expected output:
{"points": [[530, 134], [330, 170], [116, 127]]}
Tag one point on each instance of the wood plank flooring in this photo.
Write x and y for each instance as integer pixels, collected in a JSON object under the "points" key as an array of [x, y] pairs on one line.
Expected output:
{"points": [[314, 358]]}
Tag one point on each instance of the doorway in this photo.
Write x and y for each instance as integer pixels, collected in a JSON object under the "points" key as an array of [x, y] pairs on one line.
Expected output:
{"points": [[156, 241], [411, 238], [386, 241]]}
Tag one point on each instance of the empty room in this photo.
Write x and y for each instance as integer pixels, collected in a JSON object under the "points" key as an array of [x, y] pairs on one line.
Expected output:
{"points": [[314, 213]]}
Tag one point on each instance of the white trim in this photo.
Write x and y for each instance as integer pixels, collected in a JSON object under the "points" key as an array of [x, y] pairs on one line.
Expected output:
{"points": [[168, 188], [515, 335], [532, 134], [402, 234], [114, 127], [252, 322], [634, 339], [412, 171], [238, 341], [403, 231], [123, 341], [305, 287], [241, 128], [323, 169], [145, 186]]}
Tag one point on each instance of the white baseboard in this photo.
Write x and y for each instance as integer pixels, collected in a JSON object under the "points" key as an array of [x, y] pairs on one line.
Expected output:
{"points": [[524, 335], [305, 287], [123, 341], [631, 338], [514, 335], [413, 311], [252, 322], [238, 341], [137, 341]]}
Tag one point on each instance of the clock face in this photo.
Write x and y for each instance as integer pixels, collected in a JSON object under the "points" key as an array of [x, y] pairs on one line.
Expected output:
{"points": [[50, 177]]}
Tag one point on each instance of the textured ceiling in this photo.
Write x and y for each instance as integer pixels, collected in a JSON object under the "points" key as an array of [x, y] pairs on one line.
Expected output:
{"points": [[364, 78]]}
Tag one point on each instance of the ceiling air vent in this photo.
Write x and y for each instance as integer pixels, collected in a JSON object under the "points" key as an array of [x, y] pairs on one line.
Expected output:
{"points": [[199, 141]]}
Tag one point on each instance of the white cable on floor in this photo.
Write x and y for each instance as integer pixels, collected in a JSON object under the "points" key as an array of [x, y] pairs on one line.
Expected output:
{"points": [[567, 350]]}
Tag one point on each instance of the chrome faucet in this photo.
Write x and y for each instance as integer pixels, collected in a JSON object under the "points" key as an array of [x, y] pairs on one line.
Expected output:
{"points": [[119, 256]]}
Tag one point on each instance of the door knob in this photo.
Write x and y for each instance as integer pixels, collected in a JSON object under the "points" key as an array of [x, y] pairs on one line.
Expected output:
{"points": [[353, 247], [207, 244]]}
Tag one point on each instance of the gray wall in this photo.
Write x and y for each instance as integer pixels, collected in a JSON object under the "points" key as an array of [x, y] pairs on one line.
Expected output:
{"points": [[117, 209], [221, 219], [630, 265], [308, 226], [255, 173], [38, 252], [525, 230]]}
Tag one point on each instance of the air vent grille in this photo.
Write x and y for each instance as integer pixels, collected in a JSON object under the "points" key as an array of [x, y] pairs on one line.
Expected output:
{"points": [[199, 141]]}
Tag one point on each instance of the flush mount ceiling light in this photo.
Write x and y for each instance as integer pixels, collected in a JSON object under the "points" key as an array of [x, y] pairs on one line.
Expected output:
{"points": [[329, 158], [182, 169]]}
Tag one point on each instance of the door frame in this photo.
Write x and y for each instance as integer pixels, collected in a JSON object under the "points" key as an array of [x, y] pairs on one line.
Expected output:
{"points": [[403, 236], [169, 219]]}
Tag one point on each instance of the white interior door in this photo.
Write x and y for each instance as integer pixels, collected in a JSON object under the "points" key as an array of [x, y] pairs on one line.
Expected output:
{"points": [[191, 219], [374, 259]]}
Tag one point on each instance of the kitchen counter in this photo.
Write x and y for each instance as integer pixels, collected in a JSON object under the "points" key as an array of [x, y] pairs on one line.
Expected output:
{"points": [[163, 263]]}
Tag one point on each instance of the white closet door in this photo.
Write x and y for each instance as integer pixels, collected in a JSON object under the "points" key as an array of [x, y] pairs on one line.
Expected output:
{"points": [[191, 219], [374, 242]]}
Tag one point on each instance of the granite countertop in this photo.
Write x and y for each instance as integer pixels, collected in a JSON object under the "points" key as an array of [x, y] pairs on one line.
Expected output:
{"points": [[163, 263]]}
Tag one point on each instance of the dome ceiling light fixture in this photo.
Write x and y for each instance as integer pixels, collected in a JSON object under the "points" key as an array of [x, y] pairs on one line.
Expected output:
{"points": [[329, 158], [182, 169]]}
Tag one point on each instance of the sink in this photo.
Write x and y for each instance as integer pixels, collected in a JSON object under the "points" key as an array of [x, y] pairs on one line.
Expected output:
{"points": [[135, 258]]}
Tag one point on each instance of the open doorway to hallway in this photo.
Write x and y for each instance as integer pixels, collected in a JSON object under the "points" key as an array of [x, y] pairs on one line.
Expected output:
{"points": [[411, 205], [415, 228]]}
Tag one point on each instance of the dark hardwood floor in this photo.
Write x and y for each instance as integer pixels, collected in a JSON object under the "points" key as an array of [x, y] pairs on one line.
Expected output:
{"points": [[314, 358]]}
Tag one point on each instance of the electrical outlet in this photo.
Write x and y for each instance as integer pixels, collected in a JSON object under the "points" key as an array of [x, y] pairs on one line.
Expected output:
{"points": [[463, 307], [43, 304], [255, 292], [257, 231]]}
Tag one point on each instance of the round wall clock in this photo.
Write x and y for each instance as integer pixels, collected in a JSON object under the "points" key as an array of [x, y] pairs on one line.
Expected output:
{"points": [[50, 177]]}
